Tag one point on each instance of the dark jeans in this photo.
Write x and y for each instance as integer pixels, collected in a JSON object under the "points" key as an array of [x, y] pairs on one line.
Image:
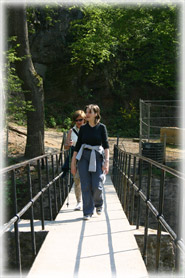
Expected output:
{"points": [[91, 182]]}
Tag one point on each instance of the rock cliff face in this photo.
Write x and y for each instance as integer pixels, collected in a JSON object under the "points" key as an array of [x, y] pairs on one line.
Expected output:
{"points": [[49, 41], [49, 48], [66, 86], [51, 55]]}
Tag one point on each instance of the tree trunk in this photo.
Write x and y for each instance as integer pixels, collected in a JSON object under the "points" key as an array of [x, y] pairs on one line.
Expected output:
{"points": [[32, 83]]}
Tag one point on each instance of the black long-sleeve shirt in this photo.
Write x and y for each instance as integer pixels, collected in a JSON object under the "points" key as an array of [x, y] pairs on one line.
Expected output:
{"points": [[94, 136]]}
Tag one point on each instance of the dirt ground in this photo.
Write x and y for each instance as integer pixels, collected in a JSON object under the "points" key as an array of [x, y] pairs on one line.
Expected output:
{"points": [[17, 141], [53, 140]]}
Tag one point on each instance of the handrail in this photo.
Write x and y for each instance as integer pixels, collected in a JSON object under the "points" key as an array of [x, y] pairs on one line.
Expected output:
{"points": [[172, 171], [29, 161], [125, 166], [27, 206], [51, 165]]}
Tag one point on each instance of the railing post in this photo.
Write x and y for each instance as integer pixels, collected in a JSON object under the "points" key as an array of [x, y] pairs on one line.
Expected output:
{"points": [[49, 190], [41, 197], [140, 125], [59, 186], [34, 251], [54, 185], [119, 173], [42, 163], [125, 185], [147, 213], [139, 200], [63, 180], [179, 254], [16, 228], [148, 129], [116, 168], [128, 187], [117, 143], [113, 166], [133, 192], [122, 180], [161, 203], [164, 154]]}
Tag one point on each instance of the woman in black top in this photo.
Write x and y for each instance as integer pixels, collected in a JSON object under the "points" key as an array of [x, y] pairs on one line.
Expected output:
{"points": [[92, 153]]}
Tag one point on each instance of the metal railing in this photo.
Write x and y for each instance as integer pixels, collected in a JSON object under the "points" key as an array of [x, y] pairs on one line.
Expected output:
{"points": [[129, 171], [50, 187]]}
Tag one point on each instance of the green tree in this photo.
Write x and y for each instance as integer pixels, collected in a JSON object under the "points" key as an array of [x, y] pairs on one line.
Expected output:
{"points": [[16, 104], [32, 82], [138, 45], [112, 55], [135, 48]]}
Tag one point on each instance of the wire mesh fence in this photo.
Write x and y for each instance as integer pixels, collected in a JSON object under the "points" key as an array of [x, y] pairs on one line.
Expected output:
{"points": [[160, 131]]}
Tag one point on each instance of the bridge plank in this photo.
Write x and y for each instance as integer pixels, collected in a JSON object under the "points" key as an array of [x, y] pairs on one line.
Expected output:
{"points": [[103, 246]]}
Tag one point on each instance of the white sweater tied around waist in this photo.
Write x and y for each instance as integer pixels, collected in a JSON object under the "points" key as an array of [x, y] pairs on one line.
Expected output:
{"points": [[92, 161]]}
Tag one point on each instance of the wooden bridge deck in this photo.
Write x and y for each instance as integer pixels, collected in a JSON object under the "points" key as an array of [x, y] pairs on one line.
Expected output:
{"points": [[103, 246]]}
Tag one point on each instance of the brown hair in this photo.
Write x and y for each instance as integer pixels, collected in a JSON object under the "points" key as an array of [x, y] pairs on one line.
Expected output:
{"points": [[96, 109], [78, 113]]}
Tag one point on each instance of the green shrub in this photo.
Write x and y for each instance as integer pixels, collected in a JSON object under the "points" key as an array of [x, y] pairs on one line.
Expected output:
{"points": [[52, 122], [67, 123]]}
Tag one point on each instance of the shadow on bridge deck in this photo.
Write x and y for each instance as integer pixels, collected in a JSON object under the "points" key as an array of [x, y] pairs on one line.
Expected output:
{"points": [[104, 246]]}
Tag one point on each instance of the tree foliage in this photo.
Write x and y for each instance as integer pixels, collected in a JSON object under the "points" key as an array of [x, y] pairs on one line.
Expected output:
{"points": [[139, 43], [34, 17], [94, 42], [112, 54], [16, 104], [136, 48]]}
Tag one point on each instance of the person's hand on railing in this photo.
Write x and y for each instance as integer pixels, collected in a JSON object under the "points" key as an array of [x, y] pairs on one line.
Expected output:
{"points": [[68, 144]]}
